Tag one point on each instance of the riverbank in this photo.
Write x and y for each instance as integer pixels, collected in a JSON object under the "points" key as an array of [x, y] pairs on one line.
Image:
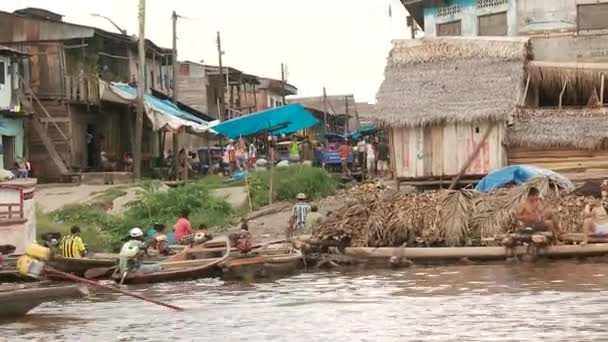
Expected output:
{"points": [[105, 213]]}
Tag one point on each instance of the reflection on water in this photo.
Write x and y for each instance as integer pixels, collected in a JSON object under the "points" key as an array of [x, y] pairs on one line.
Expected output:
{"points": [[540, 302]]}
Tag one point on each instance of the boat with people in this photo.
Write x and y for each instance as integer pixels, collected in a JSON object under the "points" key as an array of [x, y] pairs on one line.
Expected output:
{"points": [[17, 301], [199, 261], [262, 263]]}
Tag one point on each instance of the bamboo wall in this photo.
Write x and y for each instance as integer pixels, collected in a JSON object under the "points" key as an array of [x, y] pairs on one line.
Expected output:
{"points": [[437, 151]]}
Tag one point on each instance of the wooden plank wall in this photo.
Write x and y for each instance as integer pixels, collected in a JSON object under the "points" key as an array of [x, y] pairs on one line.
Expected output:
{"points": [[575, 164], [443, 150]]}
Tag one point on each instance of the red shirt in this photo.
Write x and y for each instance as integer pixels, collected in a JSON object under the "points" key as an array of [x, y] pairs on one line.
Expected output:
{"points": [[182, 228], [344, 151]]}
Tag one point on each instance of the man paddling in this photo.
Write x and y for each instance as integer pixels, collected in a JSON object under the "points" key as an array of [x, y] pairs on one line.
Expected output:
{"points": [[131, 253], [531, 213]]}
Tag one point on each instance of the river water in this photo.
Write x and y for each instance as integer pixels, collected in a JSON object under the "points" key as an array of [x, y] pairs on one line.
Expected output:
{"points": [[560, 301]]}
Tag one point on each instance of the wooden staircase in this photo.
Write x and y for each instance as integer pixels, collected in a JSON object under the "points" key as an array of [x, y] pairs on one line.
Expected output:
{"points": [[42, 129]]}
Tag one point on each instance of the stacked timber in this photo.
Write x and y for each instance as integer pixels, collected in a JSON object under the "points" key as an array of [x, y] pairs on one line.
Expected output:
{"points": [[577, 165]]}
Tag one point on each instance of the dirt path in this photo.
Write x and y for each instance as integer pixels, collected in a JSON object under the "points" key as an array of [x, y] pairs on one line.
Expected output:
{"points": [[49, 198]]}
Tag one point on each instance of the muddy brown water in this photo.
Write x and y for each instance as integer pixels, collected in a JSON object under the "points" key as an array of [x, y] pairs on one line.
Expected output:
{"points": [[559, 301]]}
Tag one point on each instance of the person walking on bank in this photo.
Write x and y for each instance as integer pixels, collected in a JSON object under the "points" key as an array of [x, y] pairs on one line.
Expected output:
{"points": [[370, 154], [344, 151], [383, 158], [300, 211], [72, 246], [361, 150]]}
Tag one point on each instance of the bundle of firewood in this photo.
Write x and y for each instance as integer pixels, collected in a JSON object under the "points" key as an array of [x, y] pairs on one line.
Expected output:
{"points": [[440, 218]]}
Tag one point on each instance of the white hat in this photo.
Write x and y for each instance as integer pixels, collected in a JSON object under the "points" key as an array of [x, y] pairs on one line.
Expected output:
{"points": [[301, 196], [136, 232]]}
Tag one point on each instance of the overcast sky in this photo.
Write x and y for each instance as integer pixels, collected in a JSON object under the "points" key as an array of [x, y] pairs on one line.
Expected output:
{"points": [[339, 44]]}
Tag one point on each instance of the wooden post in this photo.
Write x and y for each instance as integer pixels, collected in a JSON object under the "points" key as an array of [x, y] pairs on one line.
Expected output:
{"points": [[176, 155], [523, 99], [174, 56], [602, 90], [561, 94], [347, 115], [324, 111], [139, 118], [187, 160], [283, 82], [472, 156]]}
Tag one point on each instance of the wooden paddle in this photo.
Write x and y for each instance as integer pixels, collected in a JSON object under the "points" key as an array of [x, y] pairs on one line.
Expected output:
{"points": [[99, 272], [106, 287]]}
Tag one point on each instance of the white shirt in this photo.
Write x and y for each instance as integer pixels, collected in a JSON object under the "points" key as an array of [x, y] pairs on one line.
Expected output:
{"points": [[370, 152]]}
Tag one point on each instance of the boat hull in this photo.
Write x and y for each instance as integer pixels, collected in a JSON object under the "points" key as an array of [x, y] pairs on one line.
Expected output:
{"points": [[261, 266], [18, 302], [79, 266]]}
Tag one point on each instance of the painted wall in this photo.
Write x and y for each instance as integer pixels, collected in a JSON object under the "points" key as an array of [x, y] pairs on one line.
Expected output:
{"points": [[468, 14], [6, 85], [582, 48], [542, 15], [12, 127], [443, 150], [18, 233]]}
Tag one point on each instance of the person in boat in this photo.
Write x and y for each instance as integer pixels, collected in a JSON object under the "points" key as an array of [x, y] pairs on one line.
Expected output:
{"points": [[532, 214], [131, 253], [299, 213], [183, 228], [51, 239], [595, 221], [202, 234], [243, 240], [72, 246]]}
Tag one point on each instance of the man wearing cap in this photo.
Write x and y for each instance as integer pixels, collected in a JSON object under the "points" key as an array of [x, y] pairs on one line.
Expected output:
{"points": [[299, 213], [131, 253]]}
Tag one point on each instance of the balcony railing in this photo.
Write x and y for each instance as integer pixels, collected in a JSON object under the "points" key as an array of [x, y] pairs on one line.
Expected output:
{"points": [[83, 89]]}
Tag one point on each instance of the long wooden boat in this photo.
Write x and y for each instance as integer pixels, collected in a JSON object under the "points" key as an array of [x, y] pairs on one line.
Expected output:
{"points": [[265, 263], [79, 266], [16, 302], [430, 254], [192, 263]]}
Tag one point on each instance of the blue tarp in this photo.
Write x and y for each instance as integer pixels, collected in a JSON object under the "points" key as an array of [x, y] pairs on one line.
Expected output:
{"points": [[518, 174], [166, 107], [281, 120]]}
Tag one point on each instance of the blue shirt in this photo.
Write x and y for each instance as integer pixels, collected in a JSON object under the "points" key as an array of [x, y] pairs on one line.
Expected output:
{"points": [[170, 236]]}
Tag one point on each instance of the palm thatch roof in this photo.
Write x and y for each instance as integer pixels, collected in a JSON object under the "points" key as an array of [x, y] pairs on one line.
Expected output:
{"points": [[436, 80], [581, 78], [539, 128]]}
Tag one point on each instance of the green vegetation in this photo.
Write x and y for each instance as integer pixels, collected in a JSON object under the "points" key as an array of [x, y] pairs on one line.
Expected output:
{"points": [[290, 181], [103, 231]]}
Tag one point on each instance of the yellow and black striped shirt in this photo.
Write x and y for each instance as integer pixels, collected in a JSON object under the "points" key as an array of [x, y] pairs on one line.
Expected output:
{"points": [[71, 246]]}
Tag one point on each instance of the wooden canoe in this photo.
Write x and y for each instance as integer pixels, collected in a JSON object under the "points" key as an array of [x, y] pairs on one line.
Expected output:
{"points": [[430, 254], [16, 302], [265, 263], [79, 266], [192, 263]]}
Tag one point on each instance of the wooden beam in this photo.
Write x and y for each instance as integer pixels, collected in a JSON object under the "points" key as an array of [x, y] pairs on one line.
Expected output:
{"points": [[561, 94], [602, 89], [474, 154], [523, 99], [55, 119], [574, 65]]}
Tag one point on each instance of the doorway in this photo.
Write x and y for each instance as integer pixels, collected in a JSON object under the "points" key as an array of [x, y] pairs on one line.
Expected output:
{"points": [[90, 139], [8, 156]]}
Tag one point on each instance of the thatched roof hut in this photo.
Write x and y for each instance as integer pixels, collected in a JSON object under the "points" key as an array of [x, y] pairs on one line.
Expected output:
{"points": [[551, 128], [446, 80]]}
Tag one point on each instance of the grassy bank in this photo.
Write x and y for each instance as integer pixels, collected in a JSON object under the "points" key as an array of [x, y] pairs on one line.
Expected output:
{"points": [[103, 231], [288, 182]]}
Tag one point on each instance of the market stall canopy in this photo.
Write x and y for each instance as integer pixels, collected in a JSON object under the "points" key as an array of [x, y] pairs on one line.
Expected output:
{"points": [[519, 174], [163, 113], [280, 120]]}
